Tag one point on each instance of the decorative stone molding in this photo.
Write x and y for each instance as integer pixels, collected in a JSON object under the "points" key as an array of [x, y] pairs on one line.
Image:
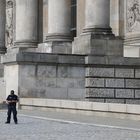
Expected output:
{"points": [[133, 16], [9, 23]]}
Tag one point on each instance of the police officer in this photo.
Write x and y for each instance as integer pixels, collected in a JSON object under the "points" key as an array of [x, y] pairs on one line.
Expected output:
{"points": [[11, 100]]}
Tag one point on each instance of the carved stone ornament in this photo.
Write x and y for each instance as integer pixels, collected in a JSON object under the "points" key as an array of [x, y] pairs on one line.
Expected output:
{"points": [[9, 23], [133, 15]]}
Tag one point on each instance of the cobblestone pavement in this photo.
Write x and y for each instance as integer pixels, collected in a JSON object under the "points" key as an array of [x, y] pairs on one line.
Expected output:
{"points": [[30, 128]]}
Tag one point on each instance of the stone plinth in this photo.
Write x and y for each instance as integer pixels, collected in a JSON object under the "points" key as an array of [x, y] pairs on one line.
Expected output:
{"points": [[88, 43], [97, 37], [41, 75]]}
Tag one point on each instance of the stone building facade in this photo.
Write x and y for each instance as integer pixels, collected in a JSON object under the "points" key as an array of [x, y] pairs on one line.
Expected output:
{"points": [[71, 49]]}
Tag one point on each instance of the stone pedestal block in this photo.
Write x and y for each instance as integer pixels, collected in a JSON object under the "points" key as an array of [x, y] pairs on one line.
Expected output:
{"points": [[98, 45], [58, 47]]}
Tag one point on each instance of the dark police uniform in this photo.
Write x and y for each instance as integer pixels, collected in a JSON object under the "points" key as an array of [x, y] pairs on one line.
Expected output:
{"points": [[12, 100]]}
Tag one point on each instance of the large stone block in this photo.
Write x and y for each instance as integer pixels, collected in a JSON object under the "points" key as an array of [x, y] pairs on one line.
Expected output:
{"points": [[51, 82], [97, 45], [100, 72], [57, 93], [71, 82], [109, 47], [32, 92], [132, 83], [124, 73], [124, 93], [137, 73], [71, 59], [71, 72], [132, 101], [28, 70], [46, 71], [95, 82], [95, 100], [137, 93], [100, 93], [115, 101], [45, 82], [76, 93], [114, 83]]}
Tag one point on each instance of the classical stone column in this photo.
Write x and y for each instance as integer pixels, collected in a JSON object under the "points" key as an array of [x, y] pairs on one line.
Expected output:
{"points": [[2, 26], [26, 23], [97, 16], [97, 37], [59, 15]]}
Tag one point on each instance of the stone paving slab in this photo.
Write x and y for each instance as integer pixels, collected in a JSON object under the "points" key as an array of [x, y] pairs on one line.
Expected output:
{"points": [[30, 128]]}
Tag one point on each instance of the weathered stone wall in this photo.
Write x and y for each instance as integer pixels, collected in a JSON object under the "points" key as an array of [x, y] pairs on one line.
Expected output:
{"points": [[119, 83], [54, 82], [109, 79], [46, 76]]}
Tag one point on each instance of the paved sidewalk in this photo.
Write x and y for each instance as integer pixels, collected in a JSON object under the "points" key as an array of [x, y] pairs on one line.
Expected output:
{"points": [[39, 125]]}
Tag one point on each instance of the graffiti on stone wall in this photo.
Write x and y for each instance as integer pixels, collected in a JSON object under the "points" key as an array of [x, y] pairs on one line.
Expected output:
{"points": [[133, 15], [9, 23]]}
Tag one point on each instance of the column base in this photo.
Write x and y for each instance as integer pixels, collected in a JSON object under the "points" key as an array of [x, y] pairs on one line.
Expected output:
{"points": [[98, 44], [99, 31], [58, 37], [25, 44], [57, 43], [58, 47]]}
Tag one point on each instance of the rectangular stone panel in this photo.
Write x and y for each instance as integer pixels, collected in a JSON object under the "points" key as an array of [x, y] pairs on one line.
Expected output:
{"points": [[46, 71], [100, 72], [114, 83], [71, 72], [76, 93], [98, 92], [132, 83], [137, 73], [56, 93], [124, 93], [95, 100], [94, 82], [122, 101], [124, 73], [132, 101], [28, 70], [71, 82], [32, 92], [137, 93], [45, 82]]}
